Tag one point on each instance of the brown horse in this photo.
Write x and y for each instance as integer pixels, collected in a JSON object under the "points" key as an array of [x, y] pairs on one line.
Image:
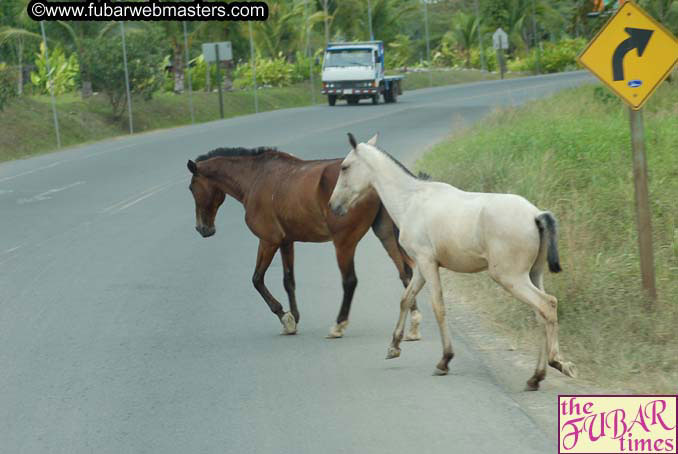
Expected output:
{"points": [[286, 200]]}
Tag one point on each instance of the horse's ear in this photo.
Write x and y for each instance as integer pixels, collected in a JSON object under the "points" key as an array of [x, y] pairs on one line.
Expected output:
{"points": [[373, 140], [352, 141], [192, 167]]}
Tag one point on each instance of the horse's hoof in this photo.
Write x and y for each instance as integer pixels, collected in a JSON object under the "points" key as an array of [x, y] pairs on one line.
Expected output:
{"points": [[392, 353], [288, 323], [569, 369], [531, 387], [337, 331], [439, 372], [411, 337]]}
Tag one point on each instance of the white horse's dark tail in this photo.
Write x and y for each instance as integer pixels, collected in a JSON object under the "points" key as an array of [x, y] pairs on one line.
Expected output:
{"points": [[546, 223]]}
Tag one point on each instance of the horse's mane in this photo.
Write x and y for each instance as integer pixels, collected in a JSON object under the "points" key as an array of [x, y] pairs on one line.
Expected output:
{"points": [[235, 152], [398, 163]]}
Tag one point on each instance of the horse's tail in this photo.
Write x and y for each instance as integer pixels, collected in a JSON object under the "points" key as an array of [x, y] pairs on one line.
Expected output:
{"points": [[546, 223]]}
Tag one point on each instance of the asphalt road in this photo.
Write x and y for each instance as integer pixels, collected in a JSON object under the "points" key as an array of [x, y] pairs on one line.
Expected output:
{"points": [[123, 331]]}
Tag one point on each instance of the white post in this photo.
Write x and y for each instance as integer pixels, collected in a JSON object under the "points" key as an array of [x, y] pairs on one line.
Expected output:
{"points": [[51, 87], [129, 97], [187, 70]]}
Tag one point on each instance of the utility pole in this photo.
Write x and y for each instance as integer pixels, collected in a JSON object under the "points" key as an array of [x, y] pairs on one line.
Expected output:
{"points": [[428, 45], [188, 73], [327, 28], [51, 86], [369, 18], [480, 38], [254, 68], [309, 52], [124, 59], [534, 31]]}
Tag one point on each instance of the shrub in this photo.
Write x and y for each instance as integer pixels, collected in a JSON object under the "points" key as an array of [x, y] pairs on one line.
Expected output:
{"points": [[144, 62], [399, 52], [555, 57], [274, 72], [63, 71], [490, 58], [7, 84]]}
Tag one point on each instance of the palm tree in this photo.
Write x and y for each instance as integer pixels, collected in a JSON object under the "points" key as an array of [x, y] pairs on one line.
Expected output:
{"points": [[15, 31], [464, 30], [81, 34]]}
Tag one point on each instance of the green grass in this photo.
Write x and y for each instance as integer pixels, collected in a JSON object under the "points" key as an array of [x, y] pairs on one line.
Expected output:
{"points": [[571, 154], [27, 124], [415, 80]]}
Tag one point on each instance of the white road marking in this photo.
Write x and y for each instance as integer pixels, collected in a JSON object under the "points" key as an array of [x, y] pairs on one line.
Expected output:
{"points": [[30, 172], [143, 195], [12, 249], [48, 194]]}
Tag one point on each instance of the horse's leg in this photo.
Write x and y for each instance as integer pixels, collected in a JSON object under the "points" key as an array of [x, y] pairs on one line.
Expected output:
{"points": [[537, 278], [545, 306], [386, 231], [287, 253], [349, 281], [264, 257], [408, 298], [432, 275]]}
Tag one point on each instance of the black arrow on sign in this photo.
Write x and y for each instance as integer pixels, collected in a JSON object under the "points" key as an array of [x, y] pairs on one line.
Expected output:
{"points": [[638, 39]]}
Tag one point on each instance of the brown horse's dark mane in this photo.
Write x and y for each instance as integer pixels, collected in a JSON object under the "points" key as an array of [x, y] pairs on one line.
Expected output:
{"points": [[241, 152]]}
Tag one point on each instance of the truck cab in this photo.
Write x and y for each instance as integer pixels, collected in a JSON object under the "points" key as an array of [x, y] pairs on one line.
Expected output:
{"points": [[355, 71]]}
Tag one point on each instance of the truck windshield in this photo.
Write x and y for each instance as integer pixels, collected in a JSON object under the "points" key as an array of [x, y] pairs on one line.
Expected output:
{"points": [[348, 57]]}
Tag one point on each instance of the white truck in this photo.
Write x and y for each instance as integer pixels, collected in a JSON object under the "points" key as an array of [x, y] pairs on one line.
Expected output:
{"points": [[355, 71]]}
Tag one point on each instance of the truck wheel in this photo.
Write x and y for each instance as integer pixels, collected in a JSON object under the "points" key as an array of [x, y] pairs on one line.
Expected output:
{"points": [[387, 96], [331, 99], [375, 99], [394, 93]]}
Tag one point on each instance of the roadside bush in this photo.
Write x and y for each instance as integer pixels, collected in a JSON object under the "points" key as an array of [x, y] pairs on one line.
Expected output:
{"points": [[447, 54], [8, 80], [64, 71], [302, 66], [144, 61], [555, 57], [274, 72], [399, 52], [490, 59]]}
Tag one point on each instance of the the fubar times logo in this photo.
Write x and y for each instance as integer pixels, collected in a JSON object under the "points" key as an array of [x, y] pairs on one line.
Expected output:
{"points": [[597, 424]]}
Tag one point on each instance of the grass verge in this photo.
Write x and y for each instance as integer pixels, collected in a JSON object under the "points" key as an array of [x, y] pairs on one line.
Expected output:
{"points": [[571, 154], [27, 125]]}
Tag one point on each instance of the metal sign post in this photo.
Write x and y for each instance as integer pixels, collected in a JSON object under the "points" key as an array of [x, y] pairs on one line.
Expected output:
{"points": [[51, 87], [632, 54], [643, 215], [219, 84], [500, 43], [218, 52]]}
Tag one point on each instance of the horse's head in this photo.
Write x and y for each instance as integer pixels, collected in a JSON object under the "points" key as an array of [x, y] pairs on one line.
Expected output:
{"points": [[354, 178], [208, 198]]}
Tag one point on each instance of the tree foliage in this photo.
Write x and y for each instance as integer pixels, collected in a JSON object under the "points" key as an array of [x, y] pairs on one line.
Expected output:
{"points": [[144, 61]]}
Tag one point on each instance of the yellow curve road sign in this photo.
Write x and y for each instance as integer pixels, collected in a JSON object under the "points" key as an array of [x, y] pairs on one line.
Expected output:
{"points": [[632, 54]]}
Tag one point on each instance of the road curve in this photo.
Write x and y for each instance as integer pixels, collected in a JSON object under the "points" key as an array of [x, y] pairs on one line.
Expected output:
{"points": [[123, 331]]}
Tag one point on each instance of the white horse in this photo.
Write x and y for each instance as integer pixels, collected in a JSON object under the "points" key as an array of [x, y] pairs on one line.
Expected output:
{"points": [[466, 232]]}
